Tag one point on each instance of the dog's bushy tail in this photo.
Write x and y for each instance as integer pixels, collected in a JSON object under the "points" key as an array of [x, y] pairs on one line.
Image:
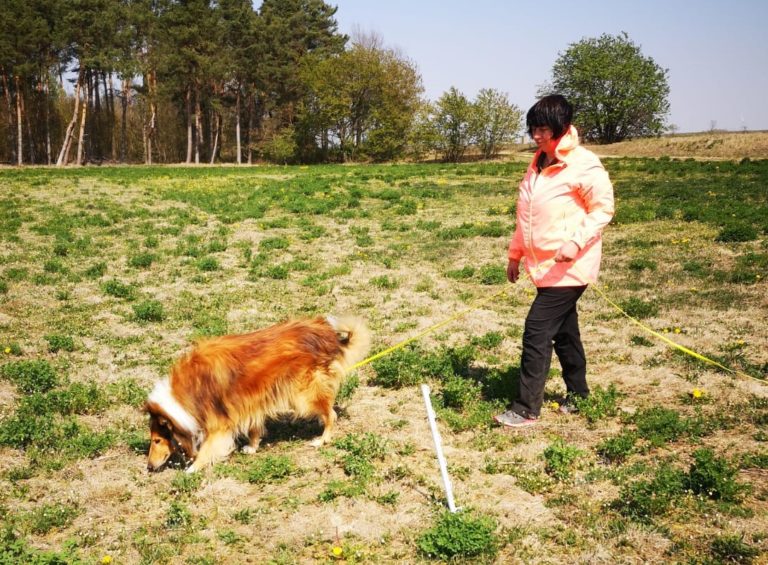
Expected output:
{"points": [[354, 336]]}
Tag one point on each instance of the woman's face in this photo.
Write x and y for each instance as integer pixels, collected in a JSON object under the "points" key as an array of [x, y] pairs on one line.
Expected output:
{"points": [[543, 137]]}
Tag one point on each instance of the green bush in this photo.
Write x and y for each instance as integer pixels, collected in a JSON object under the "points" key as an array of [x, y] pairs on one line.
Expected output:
{"points": [[560, 459], [638, 308], [617, 449], [119, 289], [3, 287], [465, 272], [96, 270], [735, 233], [208, 264], [713, 477], [731, 548], [659, 425], [49, 516], [601, 403], [385, 282], [178, 516], [141, 260], [271, 243], [149, 311], [459, 392], [57, 343], [642, 265], [271, 469], [459, 535], [645, 499], [493, 274], [30, 376]]}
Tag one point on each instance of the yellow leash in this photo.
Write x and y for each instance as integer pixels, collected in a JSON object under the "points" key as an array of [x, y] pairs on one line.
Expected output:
{"points": [[475, 305]]}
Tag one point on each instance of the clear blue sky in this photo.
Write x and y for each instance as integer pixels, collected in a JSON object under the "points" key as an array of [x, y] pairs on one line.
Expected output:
{"points": [[716, 51]]}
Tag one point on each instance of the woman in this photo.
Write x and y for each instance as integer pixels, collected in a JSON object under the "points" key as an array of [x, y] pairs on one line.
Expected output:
{"points": [[565, 200]]}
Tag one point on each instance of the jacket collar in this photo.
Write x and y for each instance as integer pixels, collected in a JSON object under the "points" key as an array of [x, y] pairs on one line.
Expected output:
{"points": [[564, 150]]}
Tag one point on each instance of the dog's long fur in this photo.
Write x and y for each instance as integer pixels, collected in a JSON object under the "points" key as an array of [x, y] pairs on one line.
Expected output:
{"points": [[228, 387]]}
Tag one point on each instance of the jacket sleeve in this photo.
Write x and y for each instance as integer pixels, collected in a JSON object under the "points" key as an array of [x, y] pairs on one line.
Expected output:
{"points": [[515, 251], [596, 191]]}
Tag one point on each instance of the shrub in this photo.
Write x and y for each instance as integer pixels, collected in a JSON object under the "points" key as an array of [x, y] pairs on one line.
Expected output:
{"points": [[118, 289], [178, 516], [638, 308], [58, 342], [141, 260], [96, 271], [271, 243], [3, 287], [459, 392], [385, 282], [713, 477], [270, 469], [465, 272], [600, 404], [149, 311], [617, 449], [735, 233], [348, 387], [493, 274], [644, 500], [361, 451], [49, 516], [642, 265], [731, 548], [659, 425], [560, 458], [488, 341], [459, 535], [208, 264], [30, 376]]}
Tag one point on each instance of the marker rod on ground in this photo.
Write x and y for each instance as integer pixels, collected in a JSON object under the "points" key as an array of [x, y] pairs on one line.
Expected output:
{"points": [[439, 449]]}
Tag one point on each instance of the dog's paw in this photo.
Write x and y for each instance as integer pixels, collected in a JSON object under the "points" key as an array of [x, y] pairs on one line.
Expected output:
{"points": [[319, 442], [249, 449], [191, 469]]}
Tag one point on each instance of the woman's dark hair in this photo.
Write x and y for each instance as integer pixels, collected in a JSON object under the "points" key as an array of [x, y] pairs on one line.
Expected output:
{"points": [[553, 111]]}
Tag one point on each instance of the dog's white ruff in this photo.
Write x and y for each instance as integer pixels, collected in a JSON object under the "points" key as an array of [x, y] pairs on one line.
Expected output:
{"points": [[163, 397]]}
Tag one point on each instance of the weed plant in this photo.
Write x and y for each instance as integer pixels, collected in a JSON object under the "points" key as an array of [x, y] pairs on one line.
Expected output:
{"points": [[459, 535]]}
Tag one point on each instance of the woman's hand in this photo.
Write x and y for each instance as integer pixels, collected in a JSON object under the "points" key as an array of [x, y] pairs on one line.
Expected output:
{"points": [[567, 252], [513, 270]]}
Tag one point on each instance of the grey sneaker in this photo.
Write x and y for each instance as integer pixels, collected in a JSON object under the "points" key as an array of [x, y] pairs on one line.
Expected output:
{"points": [[514, 420], [568, 407]]}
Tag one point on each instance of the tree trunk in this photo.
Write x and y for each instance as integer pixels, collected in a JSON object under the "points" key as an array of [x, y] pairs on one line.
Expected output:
{"points": [[83, 118], [198, 126], [67, 143], [97, 134], [237, 127], [124, 122], [9, 103], [153, 115], [251, 111], [109, 97], [217, 127], [189, 124], [30, 137], [19, 129], [46, 91]]}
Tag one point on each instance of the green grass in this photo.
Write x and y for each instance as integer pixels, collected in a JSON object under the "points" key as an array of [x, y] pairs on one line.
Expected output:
{"points": [[108, 275]]}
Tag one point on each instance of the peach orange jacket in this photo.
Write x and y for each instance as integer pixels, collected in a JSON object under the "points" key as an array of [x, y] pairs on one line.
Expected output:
{"points": [[571, 200]]}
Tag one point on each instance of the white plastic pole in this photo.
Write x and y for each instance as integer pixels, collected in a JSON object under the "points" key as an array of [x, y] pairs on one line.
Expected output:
{"points": [[439, 449]]}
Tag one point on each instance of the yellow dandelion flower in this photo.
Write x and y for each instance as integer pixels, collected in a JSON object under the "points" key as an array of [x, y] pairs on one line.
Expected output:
{"points": [[678, 330], [7, 350], [554, 406], [106, 560], [337, 551], [697, 393]]}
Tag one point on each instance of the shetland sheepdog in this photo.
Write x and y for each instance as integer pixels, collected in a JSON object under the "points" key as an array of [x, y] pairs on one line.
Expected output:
{"points": [[226, 388]]}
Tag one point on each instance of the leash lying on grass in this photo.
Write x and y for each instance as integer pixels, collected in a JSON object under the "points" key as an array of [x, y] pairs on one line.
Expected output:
{"points": [[478, 303]]}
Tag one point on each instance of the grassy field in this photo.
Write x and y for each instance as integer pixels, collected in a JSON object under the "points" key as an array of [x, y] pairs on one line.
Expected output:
{"points": [[108, 274]]}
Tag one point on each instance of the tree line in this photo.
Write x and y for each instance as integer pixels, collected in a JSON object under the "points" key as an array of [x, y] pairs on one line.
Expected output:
{"points": [[204, 81], [198, 81]]}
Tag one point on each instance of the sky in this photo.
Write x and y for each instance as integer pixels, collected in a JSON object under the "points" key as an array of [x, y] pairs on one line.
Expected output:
{"points": [[716, 52]]}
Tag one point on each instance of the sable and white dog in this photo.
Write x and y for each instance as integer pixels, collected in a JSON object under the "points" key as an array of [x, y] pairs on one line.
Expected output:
{"points": [[228, 387]]}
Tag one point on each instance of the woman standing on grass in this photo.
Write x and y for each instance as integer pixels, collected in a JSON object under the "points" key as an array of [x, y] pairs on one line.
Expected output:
{"points": [[565, 200]]}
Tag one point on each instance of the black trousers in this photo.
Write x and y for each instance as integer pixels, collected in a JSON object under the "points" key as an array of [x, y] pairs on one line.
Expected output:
{"points": [[552, 320]]}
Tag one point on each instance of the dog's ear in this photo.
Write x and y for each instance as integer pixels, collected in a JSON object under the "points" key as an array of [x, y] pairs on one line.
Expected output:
{"points": [[185, 441]]}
